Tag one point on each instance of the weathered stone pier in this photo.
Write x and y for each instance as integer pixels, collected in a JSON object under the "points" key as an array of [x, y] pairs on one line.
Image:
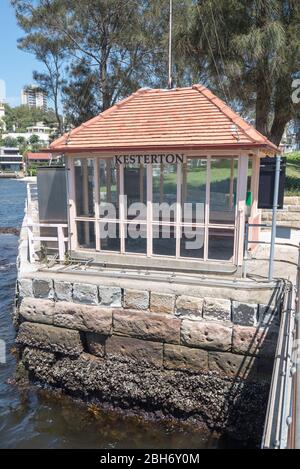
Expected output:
{"points": [[166, 351], [115, 312]]}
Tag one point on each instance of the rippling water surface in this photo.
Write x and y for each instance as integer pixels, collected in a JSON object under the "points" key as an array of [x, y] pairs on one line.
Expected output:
{"points": [[35, 419]]}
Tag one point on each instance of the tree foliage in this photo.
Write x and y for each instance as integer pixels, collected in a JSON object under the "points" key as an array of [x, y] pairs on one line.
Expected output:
{"points": [[252, 51], [96, 52], [20, 117]]}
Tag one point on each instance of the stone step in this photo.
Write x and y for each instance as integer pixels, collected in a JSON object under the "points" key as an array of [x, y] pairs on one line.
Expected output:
{"points": [[286, 208], [282, 216], [292, 200], [292, 208], [290, 224]]}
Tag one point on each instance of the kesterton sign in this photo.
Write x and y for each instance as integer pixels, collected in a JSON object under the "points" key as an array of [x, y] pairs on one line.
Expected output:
{"points": [[156, 158]]}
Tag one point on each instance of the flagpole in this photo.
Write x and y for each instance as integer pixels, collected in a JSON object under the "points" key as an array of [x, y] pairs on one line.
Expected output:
{"points": [[170, 81]]}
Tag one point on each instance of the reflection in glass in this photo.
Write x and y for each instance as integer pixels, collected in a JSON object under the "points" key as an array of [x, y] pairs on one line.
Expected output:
{"points": [[110, 237], [164, 192], [109, 188], [192, 242], [223, 190], [164, 240], [86, 234], [84, 187], [136, 238], [220, 244], [135, 187], [193, 190]]}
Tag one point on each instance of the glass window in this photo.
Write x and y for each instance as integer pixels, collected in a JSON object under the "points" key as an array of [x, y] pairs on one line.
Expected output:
{"points": [[135, 189], [86, 234], [192, 242], [84, 187], [164, 192], [164, 240], [136, 238], [110, 237], [223, 190], [109, 187], [220, 244], [194, 229], [193, 190]]}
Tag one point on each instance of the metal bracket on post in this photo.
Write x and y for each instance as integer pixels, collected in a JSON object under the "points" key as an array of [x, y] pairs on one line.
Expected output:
{"points": [[274, 217]]}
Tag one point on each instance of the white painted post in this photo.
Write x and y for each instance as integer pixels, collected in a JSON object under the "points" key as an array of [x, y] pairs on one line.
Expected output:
{"points": [[122, 211], [97, 202], [207, 208], [274, 217], [30, 243], [149, 170], [61, 243], [72, 205], [178, 220], [85, 190], [241, 204], [231, 197], [28, 198]]}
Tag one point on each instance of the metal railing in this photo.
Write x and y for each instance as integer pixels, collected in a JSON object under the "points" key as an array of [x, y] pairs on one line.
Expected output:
{"points": [[279, 414], [33, 238], [294, 435], [259, 241], [60, 238], [282, 423]]}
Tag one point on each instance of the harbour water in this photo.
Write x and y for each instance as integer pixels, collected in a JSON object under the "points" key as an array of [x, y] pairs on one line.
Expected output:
{"points": [[31, 418]]}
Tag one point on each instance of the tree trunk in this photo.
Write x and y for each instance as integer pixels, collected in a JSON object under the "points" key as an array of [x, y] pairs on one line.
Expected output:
{"points": [[283, 109], [58, 118], [106, 96], [263, 99]]}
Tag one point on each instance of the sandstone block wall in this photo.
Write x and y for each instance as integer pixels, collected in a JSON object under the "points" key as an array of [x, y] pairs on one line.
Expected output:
{"points": [[91, 340], [150, 327]]}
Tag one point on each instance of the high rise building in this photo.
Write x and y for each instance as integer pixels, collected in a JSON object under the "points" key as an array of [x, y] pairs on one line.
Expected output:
{"points": [[2, 115], [34, 97], [2, 101]]}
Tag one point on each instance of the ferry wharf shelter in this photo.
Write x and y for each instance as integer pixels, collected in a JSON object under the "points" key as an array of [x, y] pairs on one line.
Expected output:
{"points": [[164, 179], [150, 308]]}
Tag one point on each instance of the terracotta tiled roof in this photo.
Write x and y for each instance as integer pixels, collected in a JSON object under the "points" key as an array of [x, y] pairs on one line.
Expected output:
{"points": [[182, 118], [38, 156]]}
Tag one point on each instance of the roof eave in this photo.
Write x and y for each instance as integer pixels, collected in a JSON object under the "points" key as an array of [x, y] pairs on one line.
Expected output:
{"points": [[230, 146]]}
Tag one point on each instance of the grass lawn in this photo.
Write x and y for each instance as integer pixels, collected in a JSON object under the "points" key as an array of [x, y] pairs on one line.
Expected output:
{"points": [[292, 185], [220, 181]]}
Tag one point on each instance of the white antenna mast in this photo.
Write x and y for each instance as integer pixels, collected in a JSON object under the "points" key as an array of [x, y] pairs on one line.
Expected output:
{"points": [[170, 82]]}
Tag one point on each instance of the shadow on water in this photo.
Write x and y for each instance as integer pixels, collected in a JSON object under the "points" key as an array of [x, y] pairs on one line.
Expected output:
{"points": [[38, 419]]}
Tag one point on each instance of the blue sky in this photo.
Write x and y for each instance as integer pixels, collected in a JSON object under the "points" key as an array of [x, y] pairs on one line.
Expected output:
{"points": [[16, 66]]}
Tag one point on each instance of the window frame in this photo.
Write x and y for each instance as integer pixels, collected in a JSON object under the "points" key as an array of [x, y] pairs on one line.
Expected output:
{"points": [[206, 225]]}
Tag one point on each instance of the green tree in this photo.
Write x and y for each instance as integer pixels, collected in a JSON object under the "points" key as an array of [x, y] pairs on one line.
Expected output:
{"points": [[20, 117], [116, 39], [81, 95], [51, 53], [10, 142], [34, 139], [252, 54]]}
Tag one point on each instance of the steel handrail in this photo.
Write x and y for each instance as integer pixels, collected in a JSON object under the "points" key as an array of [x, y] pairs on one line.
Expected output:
{"points": [[279, 410]]}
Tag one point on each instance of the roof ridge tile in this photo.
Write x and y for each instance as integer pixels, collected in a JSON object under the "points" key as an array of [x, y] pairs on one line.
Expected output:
{"points": [[100, 116], [247, 128], [148, 117]]}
